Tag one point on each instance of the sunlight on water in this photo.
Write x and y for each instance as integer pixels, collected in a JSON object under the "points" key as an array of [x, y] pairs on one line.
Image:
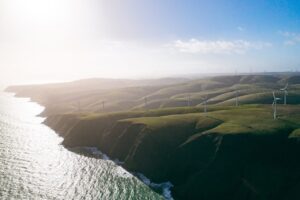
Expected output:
{"points": [[33, 164]]}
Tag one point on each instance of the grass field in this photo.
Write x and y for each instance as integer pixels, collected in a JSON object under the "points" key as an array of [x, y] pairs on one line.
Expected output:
{"points": [[126, 95], [229, 152]]}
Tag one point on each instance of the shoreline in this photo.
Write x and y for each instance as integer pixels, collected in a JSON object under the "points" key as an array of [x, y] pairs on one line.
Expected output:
{"points": [[94, 152], [214, 155]]}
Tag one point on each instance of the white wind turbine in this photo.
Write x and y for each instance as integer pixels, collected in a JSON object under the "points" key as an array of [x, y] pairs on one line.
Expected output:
{"points": [[145, 102], [79, 106], [285, 92], [188, 100], [274, 105], [103, 104], [236, 98], [205, 103]]}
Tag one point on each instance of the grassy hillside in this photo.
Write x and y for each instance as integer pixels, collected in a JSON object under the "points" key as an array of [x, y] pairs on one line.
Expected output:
{"points": [[104, 95], [227, 153]]}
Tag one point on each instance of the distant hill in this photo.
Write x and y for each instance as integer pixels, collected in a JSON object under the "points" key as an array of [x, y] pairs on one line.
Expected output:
{"points": [[293, 80], [159, 128], [89, 95]]}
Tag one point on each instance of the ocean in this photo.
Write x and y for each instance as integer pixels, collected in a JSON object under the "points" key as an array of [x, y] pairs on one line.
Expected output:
{"points": [[34, 164]]}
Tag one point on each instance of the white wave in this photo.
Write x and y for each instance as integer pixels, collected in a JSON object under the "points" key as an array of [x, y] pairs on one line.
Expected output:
{"points": [[165, 186], [96, 152], [118, 162]]}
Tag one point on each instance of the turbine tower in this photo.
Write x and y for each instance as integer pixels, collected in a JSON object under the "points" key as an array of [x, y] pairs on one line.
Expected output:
{"points": [[205, 104], [188, 100], [103, 104], [285, 92], [274, 105], [78, 106], [236, 98], [146, 101]]}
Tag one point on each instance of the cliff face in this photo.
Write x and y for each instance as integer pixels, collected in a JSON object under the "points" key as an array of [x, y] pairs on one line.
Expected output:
{"points": [[243, 167], [205, 157], [228, 153], [62, 124]]}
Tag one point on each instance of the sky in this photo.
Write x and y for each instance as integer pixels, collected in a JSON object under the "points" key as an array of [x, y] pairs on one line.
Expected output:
{"points": [[60, 40]]}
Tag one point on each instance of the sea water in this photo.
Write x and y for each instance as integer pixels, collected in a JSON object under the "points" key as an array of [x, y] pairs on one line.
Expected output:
{"points": [[34, 164]]}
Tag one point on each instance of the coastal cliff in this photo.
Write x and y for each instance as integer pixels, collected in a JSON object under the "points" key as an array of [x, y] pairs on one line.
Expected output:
{"points": [[230, 152], [207, 156]]}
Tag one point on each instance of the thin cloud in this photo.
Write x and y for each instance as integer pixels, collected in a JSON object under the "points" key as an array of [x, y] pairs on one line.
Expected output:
{"points": [[291, 38], [217, 47], [240, 28]]}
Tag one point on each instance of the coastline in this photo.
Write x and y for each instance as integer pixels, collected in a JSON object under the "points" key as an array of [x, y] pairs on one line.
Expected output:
{"points": [[219, 157], [213, 155], [163, 188]]}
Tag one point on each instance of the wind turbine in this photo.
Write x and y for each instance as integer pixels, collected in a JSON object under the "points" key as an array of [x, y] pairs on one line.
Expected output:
{"points": [[236, 98], [205, 104], [188, 100], [274, 105], [146, 102], [285, 92], [78, 106], [103, 104]]}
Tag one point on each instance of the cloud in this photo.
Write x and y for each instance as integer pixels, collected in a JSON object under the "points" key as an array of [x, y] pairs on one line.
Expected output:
{"points": [[291, 38], [216, 47], [289, 42], [240, 28]]}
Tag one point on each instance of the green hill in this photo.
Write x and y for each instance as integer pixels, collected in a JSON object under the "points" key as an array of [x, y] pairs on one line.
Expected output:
{"points": [[125, 95], [227, 153]]}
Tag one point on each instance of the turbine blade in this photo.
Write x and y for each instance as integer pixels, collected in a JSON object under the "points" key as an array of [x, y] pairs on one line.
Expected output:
{"points": [[285, 87]]}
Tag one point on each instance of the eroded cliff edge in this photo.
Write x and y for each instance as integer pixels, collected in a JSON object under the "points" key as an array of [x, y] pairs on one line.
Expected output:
{"points": [[225, 154], [228, 153]]}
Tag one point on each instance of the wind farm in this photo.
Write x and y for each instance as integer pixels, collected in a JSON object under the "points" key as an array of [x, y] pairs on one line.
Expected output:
{"points": [[219, 91], [192, 124], [150, 99]]}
